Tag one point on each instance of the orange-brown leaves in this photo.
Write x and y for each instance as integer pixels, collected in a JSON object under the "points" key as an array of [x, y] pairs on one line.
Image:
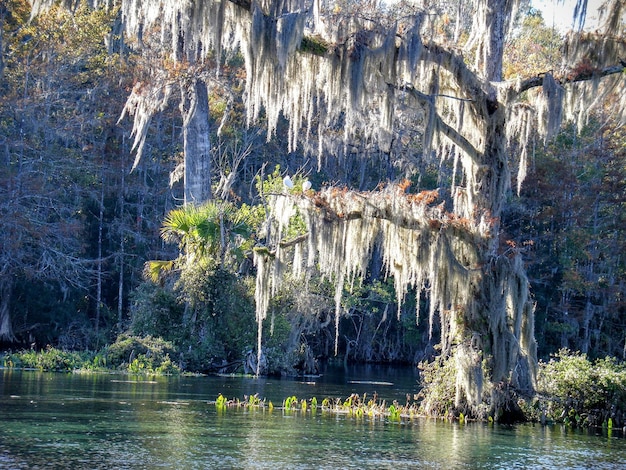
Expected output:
{"points": [[404, 185], [434, 224], [581, 71], [424, 197]]}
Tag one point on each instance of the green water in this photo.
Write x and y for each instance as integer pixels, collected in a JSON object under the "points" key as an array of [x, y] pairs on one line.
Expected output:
{"points": [[74, 421]]}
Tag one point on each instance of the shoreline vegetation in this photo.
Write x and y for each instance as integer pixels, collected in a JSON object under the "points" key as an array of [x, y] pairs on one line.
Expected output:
{"points": [[366, 407], [572, 389]]}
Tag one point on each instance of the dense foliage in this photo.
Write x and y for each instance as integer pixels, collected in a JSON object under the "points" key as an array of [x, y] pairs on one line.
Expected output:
{"points": [[129, 354], [95, 258], [572, 389], [578, 391]]}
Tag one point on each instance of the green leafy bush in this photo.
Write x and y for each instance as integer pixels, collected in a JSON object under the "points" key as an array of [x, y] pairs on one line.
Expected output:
{"points": [[438, 379], [142, 355], [575, 390], [50, 359], [156, 311]]}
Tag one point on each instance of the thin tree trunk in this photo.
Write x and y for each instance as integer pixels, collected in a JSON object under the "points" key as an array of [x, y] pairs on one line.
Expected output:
{"points": [[3, 13], [99, 278], [120, 285], [6, 328], [120, 288]]}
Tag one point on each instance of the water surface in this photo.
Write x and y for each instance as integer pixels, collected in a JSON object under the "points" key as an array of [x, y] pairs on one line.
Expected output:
{"points": [[52, 420]]}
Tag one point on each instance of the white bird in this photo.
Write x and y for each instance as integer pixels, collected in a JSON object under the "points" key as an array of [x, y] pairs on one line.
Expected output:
{"points": [[306, 186], [287, 182]]}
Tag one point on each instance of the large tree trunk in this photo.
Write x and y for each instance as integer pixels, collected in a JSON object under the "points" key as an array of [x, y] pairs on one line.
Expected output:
{"points": [[495, 327], [498, 325], [197, 144]]}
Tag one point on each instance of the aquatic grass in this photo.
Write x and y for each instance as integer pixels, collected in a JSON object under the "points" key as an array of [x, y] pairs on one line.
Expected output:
{"points": [[355, 405], [220, 403]]}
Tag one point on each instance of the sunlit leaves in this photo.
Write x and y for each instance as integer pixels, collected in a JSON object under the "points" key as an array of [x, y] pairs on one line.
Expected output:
{"points": [[195, 228], [155, 268], [579, 391], [212, 234], [534, 50]]}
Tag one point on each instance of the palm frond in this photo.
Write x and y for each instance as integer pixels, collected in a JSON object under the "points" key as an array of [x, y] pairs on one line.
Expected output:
{"points": [[154, 269]]}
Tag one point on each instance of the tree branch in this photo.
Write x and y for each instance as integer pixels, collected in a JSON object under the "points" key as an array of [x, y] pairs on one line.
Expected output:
{"points": [[245, 4], [581, 76], [442, 126], [466, 79]]}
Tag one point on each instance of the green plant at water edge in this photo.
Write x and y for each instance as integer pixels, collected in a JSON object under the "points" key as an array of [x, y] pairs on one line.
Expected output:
{"points": [[220, 403], [355, 406], [99, 362], [254, 400], [290, 403], [142, 355], [7, 361], [167, 367], [438, 391], [577, 391], [50, 359], [204, 314], [394, 413], [143, 359], [138, 366], [143, 364]]}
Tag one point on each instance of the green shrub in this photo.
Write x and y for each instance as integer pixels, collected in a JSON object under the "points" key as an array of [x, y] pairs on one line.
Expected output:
{"points": [[156, 311], [50, 359], [576, 391], [142, 355], [136, 355], [438, 393]]}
